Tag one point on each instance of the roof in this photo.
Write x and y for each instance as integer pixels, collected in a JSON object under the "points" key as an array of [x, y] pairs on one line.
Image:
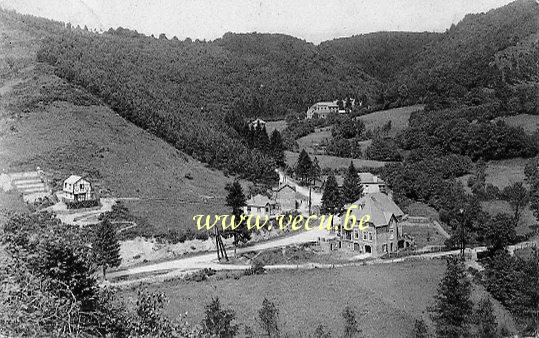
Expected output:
{"points": [[333, 104], [284, 186], [369, 178], [257, 121], [73, 179], [379, 207], [259, 201]]}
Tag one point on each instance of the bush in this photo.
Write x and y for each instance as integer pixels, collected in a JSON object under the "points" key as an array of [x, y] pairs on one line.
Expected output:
{"points": [[82, 204], [257, 268]]}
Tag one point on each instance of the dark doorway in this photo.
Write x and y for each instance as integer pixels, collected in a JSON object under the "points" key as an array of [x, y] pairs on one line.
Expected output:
{"points": [[367, 249]]}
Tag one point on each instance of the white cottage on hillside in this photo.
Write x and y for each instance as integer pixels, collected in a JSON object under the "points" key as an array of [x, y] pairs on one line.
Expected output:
{"points": [[77, 189]]}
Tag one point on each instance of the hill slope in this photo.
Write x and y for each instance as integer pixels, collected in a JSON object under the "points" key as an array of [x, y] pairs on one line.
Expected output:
{"points": [[47, 122]]}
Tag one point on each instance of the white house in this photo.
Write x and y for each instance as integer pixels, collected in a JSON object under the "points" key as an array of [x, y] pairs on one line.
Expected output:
{"points": [[371, 183], [77, 189], [257, 122], [259, 205], [322, 110]]}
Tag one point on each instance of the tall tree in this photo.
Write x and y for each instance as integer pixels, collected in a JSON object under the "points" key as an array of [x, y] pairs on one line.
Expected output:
{"points": [[268, 317], [304, 166], [500, 232], [485, 319], [315, 171], [277, 148], [331, 198], [106, 246], [351, 188], [453, 307], [518, 197], [236, 200]]}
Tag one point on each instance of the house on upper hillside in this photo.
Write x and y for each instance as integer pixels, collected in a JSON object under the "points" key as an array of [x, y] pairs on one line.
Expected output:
{"points": [[372, 183], [259, 205], [257, 122], [77, 189], [322, 110], [285, 197], [384, 233]]}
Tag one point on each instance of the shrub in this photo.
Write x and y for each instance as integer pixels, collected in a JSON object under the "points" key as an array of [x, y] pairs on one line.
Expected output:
{"points": [[257, 268], [82, 204]]}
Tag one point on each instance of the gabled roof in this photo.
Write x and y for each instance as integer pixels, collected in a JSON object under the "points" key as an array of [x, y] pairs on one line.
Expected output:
{"points": [[379, 207], [257, 121], [259, 201], [73, 179], [284, 186], [369, 178]]}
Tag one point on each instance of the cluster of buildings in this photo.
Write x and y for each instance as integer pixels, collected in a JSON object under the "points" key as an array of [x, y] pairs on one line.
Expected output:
{"points": [[384, 234], [283, 199]]}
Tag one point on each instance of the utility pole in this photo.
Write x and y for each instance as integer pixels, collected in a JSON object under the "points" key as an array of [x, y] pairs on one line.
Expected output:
{"points": [[462, 233]]}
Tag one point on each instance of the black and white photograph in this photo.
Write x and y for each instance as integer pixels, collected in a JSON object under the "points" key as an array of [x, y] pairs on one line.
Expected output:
{"points": [[269, 168]]}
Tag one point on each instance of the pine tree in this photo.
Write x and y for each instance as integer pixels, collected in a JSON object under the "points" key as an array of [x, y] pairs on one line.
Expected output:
{"points": [[453, 307], [236, 200], [352, 188], [351, 328], [331, 198], [315, 171], [106, 246], [268, 316], [485, 319], [277, 148], [303, 166]]}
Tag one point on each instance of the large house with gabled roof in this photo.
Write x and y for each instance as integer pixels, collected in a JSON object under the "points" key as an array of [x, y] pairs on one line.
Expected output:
{"points": [[384, 233]]}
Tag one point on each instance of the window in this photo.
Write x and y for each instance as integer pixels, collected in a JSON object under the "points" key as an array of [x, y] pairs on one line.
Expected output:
{"points": [[356, 235], [81, 187], [364, 235]]}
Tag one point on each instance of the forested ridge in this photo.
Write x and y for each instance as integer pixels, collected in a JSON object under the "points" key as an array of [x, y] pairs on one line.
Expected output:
{"points": [[183, 91]]}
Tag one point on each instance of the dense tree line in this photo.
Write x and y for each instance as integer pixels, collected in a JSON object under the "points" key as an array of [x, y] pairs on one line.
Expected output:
{"points": [[469, 131]]}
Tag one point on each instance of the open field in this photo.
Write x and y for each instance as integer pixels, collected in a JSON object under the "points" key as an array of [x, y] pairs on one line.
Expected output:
{"points": [[272, 125], [424, 235], [386, 297], [505, 172], [309, 298], [310, 141], [398, 116], [530, 123], [334, 162], [49, 123]]}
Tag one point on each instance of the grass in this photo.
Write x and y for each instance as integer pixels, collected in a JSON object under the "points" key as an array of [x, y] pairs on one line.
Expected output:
{"points": [[272, 125], [398, 116], [333, 162], [60, 128], [389, 296], [310, 141], [424, 235], [505, 172], [530, 123]]}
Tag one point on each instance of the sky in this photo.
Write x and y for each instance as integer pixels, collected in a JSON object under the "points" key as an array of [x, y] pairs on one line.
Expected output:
{"points": [[312, 20]]}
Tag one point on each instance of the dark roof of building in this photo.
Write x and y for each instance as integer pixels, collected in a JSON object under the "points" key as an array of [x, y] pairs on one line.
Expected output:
{"points": [[379, 207]]}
